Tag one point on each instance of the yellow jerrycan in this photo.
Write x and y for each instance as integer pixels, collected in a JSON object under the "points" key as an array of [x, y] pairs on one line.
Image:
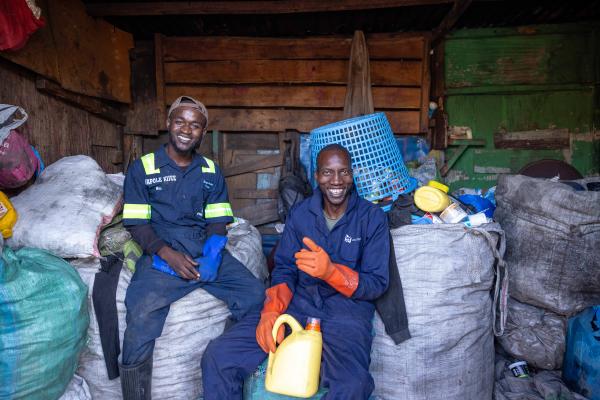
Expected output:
{"points": [[293, 370], [8, 216]]}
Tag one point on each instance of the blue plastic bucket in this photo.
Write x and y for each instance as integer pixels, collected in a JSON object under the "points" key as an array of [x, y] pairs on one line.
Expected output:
{"points": [[379, 171]]}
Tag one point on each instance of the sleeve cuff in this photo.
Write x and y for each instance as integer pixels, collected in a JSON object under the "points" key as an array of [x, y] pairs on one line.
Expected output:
{"points": [[400, 336]]}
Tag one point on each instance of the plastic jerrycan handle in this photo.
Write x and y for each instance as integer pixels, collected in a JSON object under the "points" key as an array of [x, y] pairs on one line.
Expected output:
{"points": [[285, 319]]}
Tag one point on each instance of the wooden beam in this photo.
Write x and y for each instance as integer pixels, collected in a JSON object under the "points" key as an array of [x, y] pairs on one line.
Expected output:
{"points": [[425, 84], [255, 193], [320, 96], [258, 214], [132, 150], [405, 73], [533, 140], [141, 118], [90, 104], [251, 142], [359, 97], [457, 10], [246, 120], [265, 162], [161, 114], [439, 140], [246, 7], [388, 46]]}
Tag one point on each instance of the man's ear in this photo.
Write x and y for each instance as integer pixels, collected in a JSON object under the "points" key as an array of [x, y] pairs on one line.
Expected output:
{"points": [[168, 122]]}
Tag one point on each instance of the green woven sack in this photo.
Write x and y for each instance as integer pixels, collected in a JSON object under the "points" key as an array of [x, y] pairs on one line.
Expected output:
{"points": [[43, 323]]}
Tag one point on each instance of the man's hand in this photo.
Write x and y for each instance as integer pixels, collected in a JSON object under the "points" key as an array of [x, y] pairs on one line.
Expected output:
{"points": [[315, 262], [264, 331], [277, 299], [181, 263]]}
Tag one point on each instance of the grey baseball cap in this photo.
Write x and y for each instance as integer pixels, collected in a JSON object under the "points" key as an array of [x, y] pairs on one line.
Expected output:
{"points": [[191, 102]]}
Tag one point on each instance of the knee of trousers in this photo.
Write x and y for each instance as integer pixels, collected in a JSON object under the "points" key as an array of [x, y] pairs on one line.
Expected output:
{"points": [[208, 357], [358, 386]]}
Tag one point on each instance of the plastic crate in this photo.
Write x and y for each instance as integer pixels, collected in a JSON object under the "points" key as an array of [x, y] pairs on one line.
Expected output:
{"points": [[379, 171]]}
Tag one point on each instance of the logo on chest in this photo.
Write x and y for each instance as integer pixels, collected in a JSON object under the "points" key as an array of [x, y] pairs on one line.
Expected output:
{"points": [[350, 239], [160, 179]]}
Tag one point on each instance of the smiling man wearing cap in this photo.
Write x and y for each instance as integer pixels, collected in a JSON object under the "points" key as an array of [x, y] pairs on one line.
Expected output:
{"points": [[176, 208]]}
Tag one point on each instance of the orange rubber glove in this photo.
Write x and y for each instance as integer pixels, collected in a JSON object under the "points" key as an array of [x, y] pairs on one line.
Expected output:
{"points": [[277, 300], [317, 264]]}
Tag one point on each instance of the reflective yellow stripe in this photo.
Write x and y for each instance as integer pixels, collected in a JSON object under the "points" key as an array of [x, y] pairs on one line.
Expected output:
{"points": [[136, 211], [148, 161], [211, 166], [218, 210]]}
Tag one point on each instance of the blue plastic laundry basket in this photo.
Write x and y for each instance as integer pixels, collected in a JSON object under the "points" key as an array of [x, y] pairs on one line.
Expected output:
{"points": [[379, 171]]}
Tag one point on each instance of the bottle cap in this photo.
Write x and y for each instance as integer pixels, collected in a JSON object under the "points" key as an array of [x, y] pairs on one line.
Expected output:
{"points": [[439, 186], [313, 324]]}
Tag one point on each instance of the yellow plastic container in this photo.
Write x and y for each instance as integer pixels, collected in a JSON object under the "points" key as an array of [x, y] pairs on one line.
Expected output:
{"points": [[293, 370], [8, 216], [433, 197]]}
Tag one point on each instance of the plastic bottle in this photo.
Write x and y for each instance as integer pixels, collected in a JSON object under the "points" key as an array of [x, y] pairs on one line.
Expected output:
{"points": [[433, 197], [8, 216], [453, 214], [293, 370]]}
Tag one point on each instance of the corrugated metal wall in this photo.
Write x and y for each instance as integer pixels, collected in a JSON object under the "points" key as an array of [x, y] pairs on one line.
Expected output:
{"points": [[514, 81]]}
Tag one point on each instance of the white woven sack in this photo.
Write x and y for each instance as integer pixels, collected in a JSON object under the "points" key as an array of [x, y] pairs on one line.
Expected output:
{"points": [[447, 274], [193, 321], [77, 390], [245, 244], [63, 211]]}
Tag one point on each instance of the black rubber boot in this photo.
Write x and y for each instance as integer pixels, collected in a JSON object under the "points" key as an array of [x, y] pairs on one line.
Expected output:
{"points": [[136, 380]]}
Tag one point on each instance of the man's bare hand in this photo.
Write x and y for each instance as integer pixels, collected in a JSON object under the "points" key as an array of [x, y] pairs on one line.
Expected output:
{"points": [[181, 263]]}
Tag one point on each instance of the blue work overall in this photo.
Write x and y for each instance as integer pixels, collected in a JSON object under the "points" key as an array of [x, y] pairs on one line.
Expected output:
{"points": [[360, 240], [179, 204]]}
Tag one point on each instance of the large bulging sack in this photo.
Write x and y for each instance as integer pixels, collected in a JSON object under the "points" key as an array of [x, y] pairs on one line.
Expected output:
{"points": [[447, 274], [191, 324], [534, 335], [552, 236], [77, 389], [63, 211], [43, 322]]}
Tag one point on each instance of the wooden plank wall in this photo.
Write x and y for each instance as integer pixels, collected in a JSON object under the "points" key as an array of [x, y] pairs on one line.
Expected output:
{"points": [[58, 129], [272, 84], [256, 89], [84, 55]]}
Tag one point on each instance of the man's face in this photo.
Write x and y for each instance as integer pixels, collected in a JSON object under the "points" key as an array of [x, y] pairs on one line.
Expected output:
{"points": [[186, 126], [334, 176]]}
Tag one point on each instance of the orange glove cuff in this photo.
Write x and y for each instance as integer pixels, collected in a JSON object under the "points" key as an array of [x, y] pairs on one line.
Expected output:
{"points": [[343, 279], [277, 299]]}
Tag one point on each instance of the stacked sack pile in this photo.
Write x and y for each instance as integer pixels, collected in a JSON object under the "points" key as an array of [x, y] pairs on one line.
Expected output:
{"points": [[552, 232], [78, 220]]}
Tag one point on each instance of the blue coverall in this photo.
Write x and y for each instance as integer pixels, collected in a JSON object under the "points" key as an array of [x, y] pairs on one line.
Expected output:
{"points": [[178, 204], [359, 240]]}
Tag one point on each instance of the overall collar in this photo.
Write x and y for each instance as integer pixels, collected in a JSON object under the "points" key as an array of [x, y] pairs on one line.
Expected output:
{"points": [[161, 159]]}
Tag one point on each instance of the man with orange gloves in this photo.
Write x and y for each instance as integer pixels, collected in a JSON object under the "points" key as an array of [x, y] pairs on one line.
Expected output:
{"points": [[332, 263]]}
